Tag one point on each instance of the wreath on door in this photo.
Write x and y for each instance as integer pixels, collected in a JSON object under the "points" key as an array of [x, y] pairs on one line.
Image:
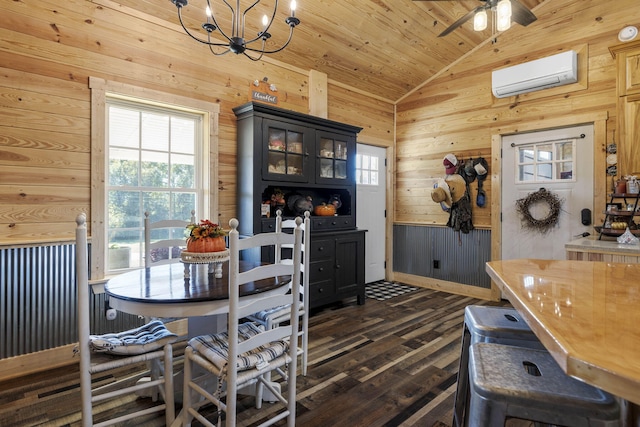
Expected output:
{"points": [[541, 225]]}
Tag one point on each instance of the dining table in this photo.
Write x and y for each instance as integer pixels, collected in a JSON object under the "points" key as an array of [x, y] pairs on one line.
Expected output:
{"points": [[167, 291], [585, 313]]}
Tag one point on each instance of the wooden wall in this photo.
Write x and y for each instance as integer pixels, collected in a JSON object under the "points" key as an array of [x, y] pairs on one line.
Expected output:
{"points": [[457, 113], [48, 51]]}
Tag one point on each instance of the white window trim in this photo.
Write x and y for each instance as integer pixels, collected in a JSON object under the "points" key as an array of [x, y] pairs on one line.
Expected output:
{"points": [[100, 89]]}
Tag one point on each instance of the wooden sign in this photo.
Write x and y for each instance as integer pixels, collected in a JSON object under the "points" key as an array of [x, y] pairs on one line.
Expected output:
{"points": [[263, 91]]}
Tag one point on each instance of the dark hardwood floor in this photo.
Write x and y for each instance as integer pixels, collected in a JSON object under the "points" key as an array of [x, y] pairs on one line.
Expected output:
{"points": [[385, 363]]}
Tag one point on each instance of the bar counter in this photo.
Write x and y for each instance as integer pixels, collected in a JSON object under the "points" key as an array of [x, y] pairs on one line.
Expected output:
{"points": [[587, 314]]}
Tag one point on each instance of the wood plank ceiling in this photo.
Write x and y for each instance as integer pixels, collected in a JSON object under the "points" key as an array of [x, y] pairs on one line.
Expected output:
{"points": [[383, 47]]}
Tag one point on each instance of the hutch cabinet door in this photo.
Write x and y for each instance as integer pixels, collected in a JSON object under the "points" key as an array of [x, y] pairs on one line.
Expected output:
{"points": [[286, 151], [335, 158]]}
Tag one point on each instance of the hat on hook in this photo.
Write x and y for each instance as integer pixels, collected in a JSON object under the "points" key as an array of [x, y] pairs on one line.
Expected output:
{"points": [[457, 186], [441, 194], [450, 162]]}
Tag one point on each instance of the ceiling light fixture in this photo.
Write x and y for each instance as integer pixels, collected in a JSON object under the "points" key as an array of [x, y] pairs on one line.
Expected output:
{"points": [[235, 40], [480, 20], [503, 12], [501, 16]]}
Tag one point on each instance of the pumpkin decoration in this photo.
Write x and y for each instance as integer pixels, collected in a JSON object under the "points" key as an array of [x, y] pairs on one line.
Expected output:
{"points": [[206, 237], [325, 210]]}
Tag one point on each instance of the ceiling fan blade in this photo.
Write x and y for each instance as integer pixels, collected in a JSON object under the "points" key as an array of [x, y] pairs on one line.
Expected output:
{"points": [[461, 21], [520, 14]]}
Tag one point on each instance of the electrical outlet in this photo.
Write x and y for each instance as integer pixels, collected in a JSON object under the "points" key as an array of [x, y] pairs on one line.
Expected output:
{"points": [[436, 263]]}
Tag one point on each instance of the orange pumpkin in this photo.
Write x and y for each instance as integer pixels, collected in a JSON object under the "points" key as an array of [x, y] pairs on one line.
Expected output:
{"points": [[324, 210], [207, 244]]}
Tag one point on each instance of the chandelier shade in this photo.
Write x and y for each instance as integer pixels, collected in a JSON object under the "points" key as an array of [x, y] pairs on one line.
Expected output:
{"points": [[237, 38]]}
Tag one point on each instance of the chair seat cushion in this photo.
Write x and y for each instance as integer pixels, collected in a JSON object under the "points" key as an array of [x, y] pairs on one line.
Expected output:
{"points": [[272, 313], [146, 338], [216, 348]]}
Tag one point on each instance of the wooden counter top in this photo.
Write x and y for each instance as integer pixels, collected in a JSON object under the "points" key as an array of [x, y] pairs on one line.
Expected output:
{"points": [[587, 314]]}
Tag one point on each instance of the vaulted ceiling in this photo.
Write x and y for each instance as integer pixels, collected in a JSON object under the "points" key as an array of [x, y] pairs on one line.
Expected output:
{"points": [[383, 47]]}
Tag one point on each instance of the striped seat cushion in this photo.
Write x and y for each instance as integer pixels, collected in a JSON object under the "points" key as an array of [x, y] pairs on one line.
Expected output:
{"points": [[146, 338], [273, 313], [216, 348]]}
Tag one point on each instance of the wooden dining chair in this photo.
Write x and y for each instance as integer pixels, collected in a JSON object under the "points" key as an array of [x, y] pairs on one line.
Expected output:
{"points": [[148, 346], [272, 318], [164, 239], [247, 352]]}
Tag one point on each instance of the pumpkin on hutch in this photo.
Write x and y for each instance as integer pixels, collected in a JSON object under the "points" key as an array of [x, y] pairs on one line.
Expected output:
{"points": [[206, 236]]}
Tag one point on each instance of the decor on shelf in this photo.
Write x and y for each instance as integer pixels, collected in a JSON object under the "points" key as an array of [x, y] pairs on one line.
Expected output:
{"points": [[206, 237], [542, 225], [325, 210], [235, 38]]}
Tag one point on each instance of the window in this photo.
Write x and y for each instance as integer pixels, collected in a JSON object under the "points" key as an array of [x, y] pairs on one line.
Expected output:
{"points": [[153, 152], [153, 168], [367, 171], [546, 161]]}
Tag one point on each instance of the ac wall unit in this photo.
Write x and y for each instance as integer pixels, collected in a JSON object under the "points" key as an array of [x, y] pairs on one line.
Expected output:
{"points": [[552, 71]]}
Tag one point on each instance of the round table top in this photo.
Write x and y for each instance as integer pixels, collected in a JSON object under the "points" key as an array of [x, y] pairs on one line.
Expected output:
{"points": [[166, 284]]}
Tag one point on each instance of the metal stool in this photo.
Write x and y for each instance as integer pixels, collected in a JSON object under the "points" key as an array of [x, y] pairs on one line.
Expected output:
{"points": [[499, 325], [508, 381]]}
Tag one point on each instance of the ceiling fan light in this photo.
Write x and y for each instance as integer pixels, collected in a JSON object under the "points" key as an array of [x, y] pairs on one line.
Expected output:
{"points": [[504, 9], [480, 20], [503, 15], [503, 24]]}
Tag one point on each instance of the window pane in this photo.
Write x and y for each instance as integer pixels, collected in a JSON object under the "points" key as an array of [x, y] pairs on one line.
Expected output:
{"points": [[526, 173], [366, 161], [154, 171], [525, 155], [374, 178], [123, 168], [182, 205], [374, 164], [157, 204], [124, 208], [366, 177], [545, 153], [183, 133], [544, 172], [182, 171], [359, 161], [124, 127], [565, 170], [564, 151], [155, 131]]}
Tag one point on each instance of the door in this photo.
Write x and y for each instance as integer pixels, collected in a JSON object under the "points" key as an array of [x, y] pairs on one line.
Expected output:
{"points": [[561, 162], [371, 201]]}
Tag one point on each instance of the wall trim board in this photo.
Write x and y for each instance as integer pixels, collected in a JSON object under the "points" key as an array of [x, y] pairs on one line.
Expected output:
{"points": [[450, 287]]}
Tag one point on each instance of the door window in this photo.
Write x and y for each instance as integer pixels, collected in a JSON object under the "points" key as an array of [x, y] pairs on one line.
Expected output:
{"points": [[547, 161]]}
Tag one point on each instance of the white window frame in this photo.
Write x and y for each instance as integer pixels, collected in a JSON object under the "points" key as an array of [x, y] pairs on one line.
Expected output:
{"points": [[360, 168], [554, 163], [100, 91]]}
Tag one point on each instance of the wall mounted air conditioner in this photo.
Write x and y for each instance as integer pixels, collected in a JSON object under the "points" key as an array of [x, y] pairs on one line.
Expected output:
{"points": [[552, 71]]}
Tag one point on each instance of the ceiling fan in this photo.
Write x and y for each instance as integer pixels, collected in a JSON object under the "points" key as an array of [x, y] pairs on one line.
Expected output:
{"points": [[517, 11]]}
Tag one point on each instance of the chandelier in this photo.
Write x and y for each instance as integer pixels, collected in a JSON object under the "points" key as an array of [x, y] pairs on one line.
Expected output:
{"points": [[236, 40]]}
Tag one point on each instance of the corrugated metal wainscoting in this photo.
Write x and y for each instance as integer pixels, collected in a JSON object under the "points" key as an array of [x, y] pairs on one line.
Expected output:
{"points": [[38, 301], [459, 258]]}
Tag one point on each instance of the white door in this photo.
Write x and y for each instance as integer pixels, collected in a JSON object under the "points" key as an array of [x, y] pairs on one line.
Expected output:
{"points": [[370, 214], [561, 162]]}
